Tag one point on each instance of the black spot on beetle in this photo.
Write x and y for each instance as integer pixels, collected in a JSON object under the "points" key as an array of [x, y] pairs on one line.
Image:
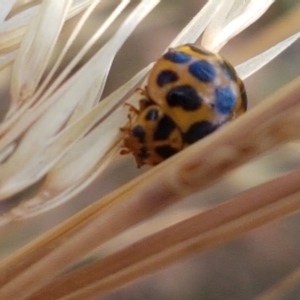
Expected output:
{"points": [[198, 131], [165, 127], [139, 132], [165, 151], [184, 96], [165, 77]]}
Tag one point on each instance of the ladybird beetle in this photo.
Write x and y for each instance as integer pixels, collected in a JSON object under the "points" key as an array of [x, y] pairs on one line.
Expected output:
{"points": [[189, 94]]}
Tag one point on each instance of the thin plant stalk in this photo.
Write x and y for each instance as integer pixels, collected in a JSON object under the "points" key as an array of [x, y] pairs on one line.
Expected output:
{"points": [[272, 123], [266, 37], [254, 208]]}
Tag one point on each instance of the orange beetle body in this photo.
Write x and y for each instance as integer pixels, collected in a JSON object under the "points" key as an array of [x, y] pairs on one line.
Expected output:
{"points": [[190, 93]]}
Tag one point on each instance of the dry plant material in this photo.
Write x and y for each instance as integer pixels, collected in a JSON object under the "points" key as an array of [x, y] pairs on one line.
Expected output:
{"points": [[212, 227], [153, 191], [54, 140], [61, 129]]}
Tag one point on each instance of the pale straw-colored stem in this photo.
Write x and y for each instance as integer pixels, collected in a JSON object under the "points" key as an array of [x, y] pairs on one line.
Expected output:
{"points": [[272, 123], [219, 224], [266, 37]]}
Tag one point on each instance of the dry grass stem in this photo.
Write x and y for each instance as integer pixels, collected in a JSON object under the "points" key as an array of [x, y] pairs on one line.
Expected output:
{"points": [[198, 24], [219, 224], [263, 128], [6, 6], [49, 116], [36, 47], [60, 116], [267, 36], [68, 132], [59, 185], [230, 22], [13, 125], [51, 194], [12, 30], [252, 65]]}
